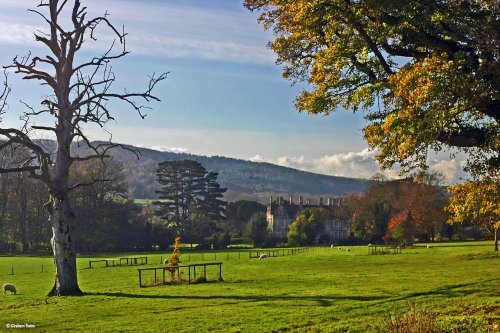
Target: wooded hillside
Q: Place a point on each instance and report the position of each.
(243, 179)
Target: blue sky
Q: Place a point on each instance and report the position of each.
(224, 94)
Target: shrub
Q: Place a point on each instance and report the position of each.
(175, 258)
(411, 319)
(176, 252)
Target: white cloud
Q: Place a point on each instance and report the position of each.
(159, 29)
(170, 149)
(360, 164)
(257, 158)
(452, 170)
(17, 33)
(292, 161)
(175, 47)
(352, 164)
(447, 168)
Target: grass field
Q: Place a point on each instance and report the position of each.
(147, 201)
(322, 290)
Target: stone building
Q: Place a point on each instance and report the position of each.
(281, 213)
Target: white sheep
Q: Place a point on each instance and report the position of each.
(166, 261)
(348, 250)
(9, 287)
(262, 256)
(331, 246)
(429, 246)
(370, 244)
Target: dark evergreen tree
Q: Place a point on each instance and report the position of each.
(189, 199)
(258, 229)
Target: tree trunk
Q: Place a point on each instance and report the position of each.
(60, 216)
(496, 239)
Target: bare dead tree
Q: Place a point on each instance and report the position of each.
(79, 94)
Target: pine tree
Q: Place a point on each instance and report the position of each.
(190, 198)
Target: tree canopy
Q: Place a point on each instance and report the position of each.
(307, 227)
(425, 72)
(479, 202)
(258, 232)
(190, 196)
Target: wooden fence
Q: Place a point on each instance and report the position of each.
(169, 274)
(125, 261)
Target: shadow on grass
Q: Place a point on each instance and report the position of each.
(449, 291)
(324, 301)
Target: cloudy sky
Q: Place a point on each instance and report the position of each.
(224, 94)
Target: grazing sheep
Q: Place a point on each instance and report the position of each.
(429, 246)
(9, 287)
(331, 246)
(166, 261)
(262, 256)
(370, 244)
(348, 250)
(339, 248)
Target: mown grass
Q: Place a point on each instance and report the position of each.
(323, 290)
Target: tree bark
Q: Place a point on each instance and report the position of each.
(60, 217)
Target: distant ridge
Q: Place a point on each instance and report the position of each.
(243, 179)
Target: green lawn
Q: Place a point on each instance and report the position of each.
(322, 290)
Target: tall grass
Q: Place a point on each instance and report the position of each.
(409, 319)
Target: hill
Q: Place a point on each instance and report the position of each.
(243, 179)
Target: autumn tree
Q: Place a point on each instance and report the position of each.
(78, 94)
(375, 208)
(479, 202)
(307, 227)
(419, 207)
(425, 72)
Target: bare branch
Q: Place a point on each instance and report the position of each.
(5, 93)
(93, 182)
(44, 128)
(95, 99)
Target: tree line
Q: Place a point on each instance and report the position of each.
(109, 220)
(417, 208)
(191, 205)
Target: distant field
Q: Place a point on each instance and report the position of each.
(142, 201)
(322, 290)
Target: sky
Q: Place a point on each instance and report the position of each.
(224, 94)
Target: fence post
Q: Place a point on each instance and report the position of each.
(12, 271)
